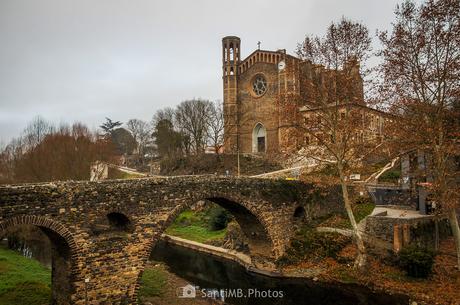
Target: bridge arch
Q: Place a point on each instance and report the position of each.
(253, 224)
(65, 253)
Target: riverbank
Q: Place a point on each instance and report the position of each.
(23, 280)
(159, 286)
(443, 286)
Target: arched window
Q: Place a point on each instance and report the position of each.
(259, 139)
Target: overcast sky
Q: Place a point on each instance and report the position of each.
(85, 60)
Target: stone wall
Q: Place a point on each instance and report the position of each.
(400, 232)
(261, 109)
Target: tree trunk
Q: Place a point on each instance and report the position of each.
(361, 258)
(456, 232)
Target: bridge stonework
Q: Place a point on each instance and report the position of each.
(102, 233)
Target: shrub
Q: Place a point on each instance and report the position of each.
(417, 261)
(390, 176)
(218, 218)
(310, 243)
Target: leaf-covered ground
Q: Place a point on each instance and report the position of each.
(442, 287)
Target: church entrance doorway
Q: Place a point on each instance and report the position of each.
(259, 139)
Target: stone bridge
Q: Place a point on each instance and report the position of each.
(102, 232)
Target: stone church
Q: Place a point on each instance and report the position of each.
(265, 96)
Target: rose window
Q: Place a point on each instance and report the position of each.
(259, 85)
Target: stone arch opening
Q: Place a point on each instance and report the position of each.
(119, 222)
(299, 213)
(64, 253)
(253, 228)
(259, 139)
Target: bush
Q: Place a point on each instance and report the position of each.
(417, 261)
(390, 176)
(310, 243)
(218, 218)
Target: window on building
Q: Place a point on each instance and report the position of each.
(259, 85)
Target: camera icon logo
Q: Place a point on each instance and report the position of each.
(188, 291)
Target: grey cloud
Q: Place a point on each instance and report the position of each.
(84, 60)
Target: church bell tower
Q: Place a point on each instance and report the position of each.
(230, 63)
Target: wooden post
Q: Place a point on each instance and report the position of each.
(436, 234)
(406, 234)
(397, 238)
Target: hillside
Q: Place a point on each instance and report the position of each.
(217, 164)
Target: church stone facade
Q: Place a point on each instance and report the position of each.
(265, 95)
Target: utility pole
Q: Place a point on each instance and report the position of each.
(86, 291)
(238, 161)
(238, 153)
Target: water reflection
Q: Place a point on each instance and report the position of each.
(207, 271)
(31, 243)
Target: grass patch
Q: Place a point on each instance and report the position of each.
(23, 280)
(346, 276)
(153, 282)
(391, 176)
(196, 226)
(190, 217)
(360, 210)
(196, 233)
(115, 173)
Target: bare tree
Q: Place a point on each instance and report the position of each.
(167, 113)
(9, 156)
(216, 126)
(36, 131)
(63, 153)
(332, 121)
(421, 82)
(141, 132)
(192, 119)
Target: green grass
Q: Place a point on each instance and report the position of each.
(196, 233)
(23, 280)
(360, 211)
(391, 176)
(195, 226)
(190, 217)
(153, 282)
(118, 174)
